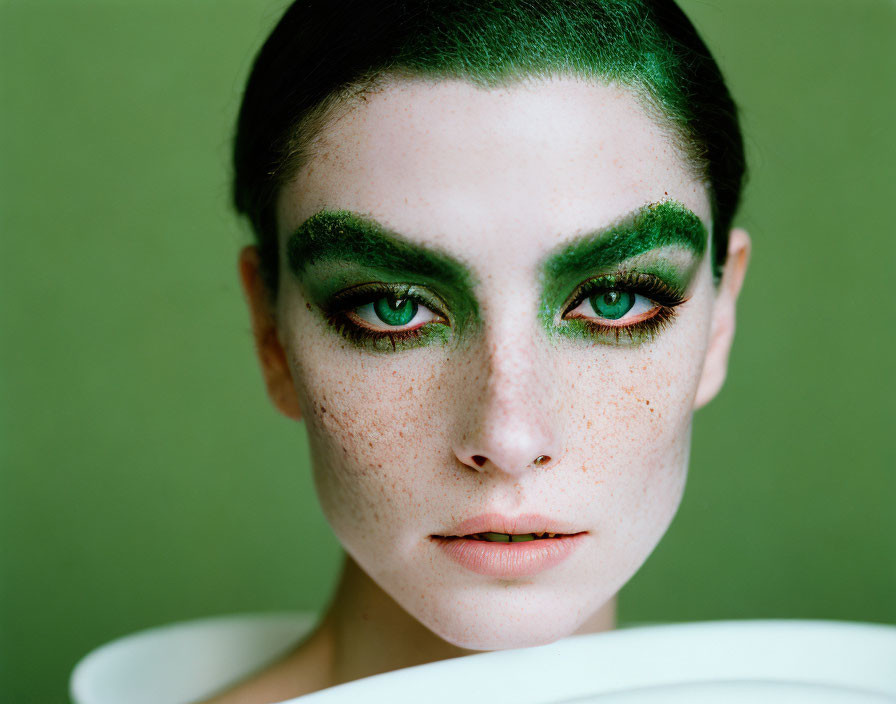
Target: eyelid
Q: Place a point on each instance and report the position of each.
(338, 312)
(623, 321)
(642, 283)
(368, 292)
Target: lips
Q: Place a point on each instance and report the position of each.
(509, 559)
(512, 525)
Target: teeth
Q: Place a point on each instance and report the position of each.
(511, 538)
(508, 537)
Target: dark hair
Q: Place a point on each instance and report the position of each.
(324, 50)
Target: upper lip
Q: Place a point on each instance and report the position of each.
(513, 525)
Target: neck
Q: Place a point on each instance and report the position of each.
(367, 633)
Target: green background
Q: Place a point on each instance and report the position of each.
(145, 476)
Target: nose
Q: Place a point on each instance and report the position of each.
(508, 424)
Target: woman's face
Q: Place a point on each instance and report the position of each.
(471, 279)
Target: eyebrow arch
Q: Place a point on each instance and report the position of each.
(654, 225)
(342, 235)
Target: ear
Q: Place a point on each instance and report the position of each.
(715, 366)
(270, 351)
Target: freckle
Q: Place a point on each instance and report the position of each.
(651, 410)
(589, 423)
(323, 410)
(370, 444)
(308, 306)
(647, 402)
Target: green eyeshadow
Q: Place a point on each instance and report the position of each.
(343, 260)
(335, 250)
(635, 246)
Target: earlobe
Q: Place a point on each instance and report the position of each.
(715, 366)
(271, 355)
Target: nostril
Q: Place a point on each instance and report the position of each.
(479, 460)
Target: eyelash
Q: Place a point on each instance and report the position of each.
(346, 301)
(665, 296)
(651, 287)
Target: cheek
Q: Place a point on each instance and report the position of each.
(374, 431)
(631, 428)
(632, 412)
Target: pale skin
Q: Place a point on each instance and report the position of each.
(495, 178)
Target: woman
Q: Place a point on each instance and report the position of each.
(494, 275)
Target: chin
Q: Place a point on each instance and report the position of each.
(504, 637)
(501, 616)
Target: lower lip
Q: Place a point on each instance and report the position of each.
(510, 560)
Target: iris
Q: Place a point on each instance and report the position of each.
(395, 312)
(613, 304)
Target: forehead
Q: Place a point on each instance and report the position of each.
(505, 172)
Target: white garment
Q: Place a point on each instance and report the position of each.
(790, 661)
(186, 662)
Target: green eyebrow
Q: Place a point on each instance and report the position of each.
(650, 227)
(342, 235)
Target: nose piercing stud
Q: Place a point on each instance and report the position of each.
(542, 459)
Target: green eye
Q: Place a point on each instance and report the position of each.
(612, 304)
(388, 317)
(395, 312)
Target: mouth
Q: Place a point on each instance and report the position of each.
(507, 537)
(509, 555)
(496, 527)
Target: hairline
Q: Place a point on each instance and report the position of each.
(305, 133)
